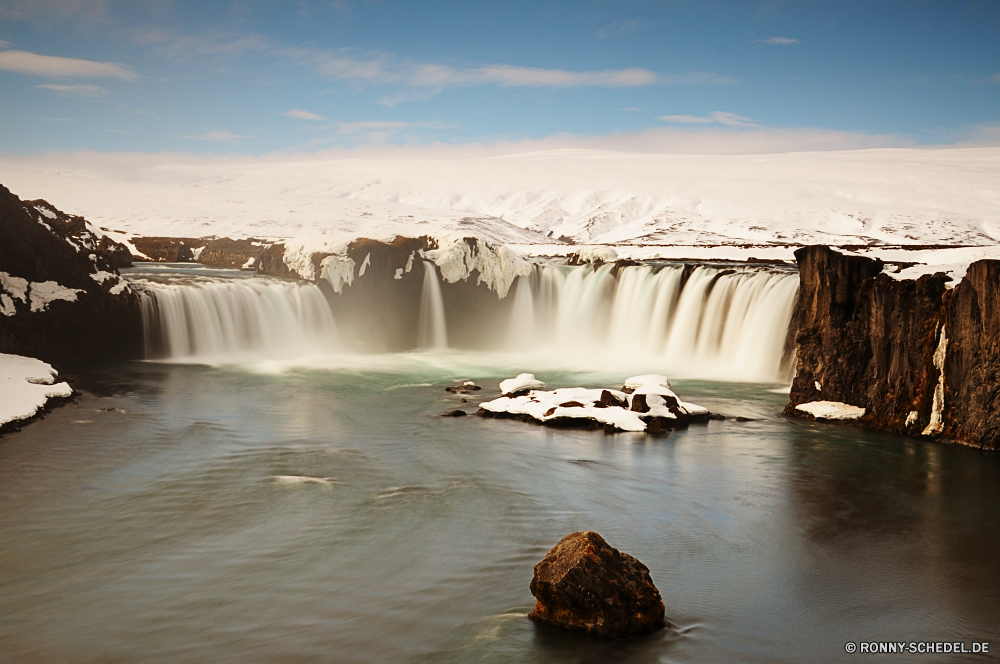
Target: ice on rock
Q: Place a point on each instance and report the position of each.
(44, 292)
(457, 256)
(525, 381)
(831, 410)
(338, 270)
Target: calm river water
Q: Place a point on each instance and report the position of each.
(194, 514)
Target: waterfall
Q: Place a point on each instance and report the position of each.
(682, 320)
(704, 322)
(217, 318)
(432, 331)
(521, 329)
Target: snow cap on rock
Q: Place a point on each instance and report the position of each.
(525, 381)
(648, 380)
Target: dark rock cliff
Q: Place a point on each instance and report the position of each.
(872, 341)
(61, 296)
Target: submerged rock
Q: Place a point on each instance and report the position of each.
(585, 584)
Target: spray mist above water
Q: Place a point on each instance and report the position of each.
(697, 322)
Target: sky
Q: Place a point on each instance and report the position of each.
(256, 78)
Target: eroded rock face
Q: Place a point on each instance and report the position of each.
(61, 296)
(868, 340)
(585, 584)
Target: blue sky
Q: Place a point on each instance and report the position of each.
(247, 76)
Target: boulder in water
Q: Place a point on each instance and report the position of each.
(585, 584)
(458, 412)
(522, 384)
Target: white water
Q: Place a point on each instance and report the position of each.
(717, 324)
(433, 333)
(223, 318)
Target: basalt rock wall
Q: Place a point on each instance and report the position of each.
(921, 358)
(61, 296)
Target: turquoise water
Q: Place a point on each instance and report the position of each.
(271, 514)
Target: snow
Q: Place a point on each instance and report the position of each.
(831, 410)
(648, 380)
(596, 254)
(338, 270)
(25, 385)
(120, 288)
(585, 403)
(47, 212)
(246, 266)
(525, 381)
(16, 286)
(885, 196)
(496, 264)
(44, 292)
(936, 425)
(102, 276)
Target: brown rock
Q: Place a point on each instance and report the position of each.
(584, 584)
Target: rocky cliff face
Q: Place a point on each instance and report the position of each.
(920, 358)
(61, 296)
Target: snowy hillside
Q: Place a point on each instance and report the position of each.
(885, 196)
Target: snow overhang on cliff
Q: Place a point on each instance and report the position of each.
(457, 255)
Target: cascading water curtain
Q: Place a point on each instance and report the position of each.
(702, 322)
(244, 317)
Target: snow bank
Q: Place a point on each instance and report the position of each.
(884, 196)
(831, 410)
(25, 385)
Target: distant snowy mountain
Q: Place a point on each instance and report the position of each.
(885, 196)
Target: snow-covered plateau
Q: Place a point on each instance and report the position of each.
(707, 207)
(26, 384)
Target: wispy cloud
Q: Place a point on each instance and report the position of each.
(715, 117)
(300, 114)
(23, 62)
(4, 44)
(995, 78)
(219, 137)
(620, 29)
(92, 91)
(380, 68)
(781, 41)
(211, 44)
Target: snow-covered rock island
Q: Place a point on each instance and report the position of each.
(644, 404)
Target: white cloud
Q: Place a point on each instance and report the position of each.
(619, 29)
(781, 41)
(384, 69)
(372, 125)
(23, 62)
(75, 90)
(219, 137)
(715, 117)
(212, 44)
(299, 114)
(556, 78)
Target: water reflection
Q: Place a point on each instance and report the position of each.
(234, 516)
